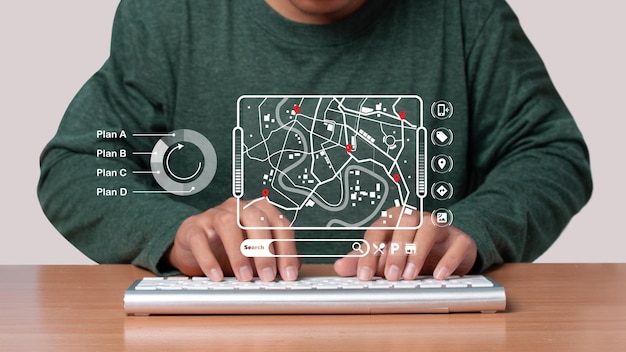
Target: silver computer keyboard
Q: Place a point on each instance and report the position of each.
(313, 295)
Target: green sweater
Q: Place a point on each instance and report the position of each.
(521, 167)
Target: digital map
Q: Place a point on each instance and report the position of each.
(329, 162)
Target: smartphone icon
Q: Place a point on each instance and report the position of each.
(441, 110)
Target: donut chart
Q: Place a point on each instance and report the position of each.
(167, 148)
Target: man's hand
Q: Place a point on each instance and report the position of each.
(441, 251)
(209, 243)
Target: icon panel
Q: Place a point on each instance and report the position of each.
(442, 190)
(441, 163)
(442, 110)
(442, 217)
(442, 137)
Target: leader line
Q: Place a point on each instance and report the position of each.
(154, 134)
(146, 172)
(152, 192)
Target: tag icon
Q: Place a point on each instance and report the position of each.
(442, 137)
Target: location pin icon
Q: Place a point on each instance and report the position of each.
(442, 163)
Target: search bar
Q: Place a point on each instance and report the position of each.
(263, 248)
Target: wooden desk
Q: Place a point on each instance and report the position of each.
(552, 307)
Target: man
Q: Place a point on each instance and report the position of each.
(520, 171)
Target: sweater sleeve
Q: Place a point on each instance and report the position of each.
(531, 163)
(122, 96)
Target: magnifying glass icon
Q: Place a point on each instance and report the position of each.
(356, 246)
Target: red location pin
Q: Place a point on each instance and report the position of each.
(402, 115)
(349, 148)
(296, 109)
(265, 192)
(396, 178)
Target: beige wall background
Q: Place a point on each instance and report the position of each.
(50, 48)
